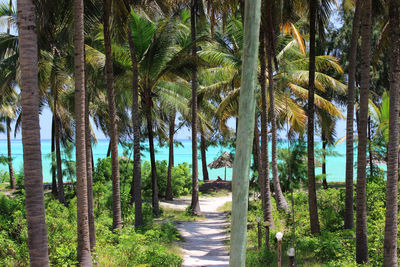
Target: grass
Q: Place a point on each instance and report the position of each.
(219, 193)
(179, 215)
(227, 207)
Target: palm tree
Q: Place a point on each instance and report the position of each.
(35, 214)
(269, 33)
(361, 217)
(194, 206)
(84, 255)
(312, 195)
(168, 192)
(390, 240)
(348, 215)
(247, 103)
(113, 126)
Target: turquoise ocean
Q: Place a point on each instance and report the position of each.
(335, 165)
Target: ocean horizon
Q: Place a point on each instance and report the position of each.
(335, 165)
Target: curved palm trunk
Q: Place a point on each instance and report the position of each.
(60, 182)
(312, 195)
(203, 148)
(113, 125)
(84, 255)
(348, 215)
(361, 218)
(54, 190)
(280, 198)
(89, 174)
(35, 214)
(241, 166)
(10, 166)
(195, 205)
(168, 193)
(154, 185)
(136, 188)
(264, 161)
(390, 241)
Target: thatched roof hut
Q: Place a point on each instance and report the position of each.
(223, 161)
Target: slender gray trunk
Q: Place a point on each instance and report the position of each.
(10, 165)
(168, 193)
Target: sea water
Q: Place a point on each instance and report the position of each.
(335, 165)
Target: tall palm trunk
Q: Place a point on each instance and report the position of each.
(361, 218)
(312, 195)
(264, 162)
(60, 182)
(113, 125)
(369, 142)
(154, 185)
(54, 190)
(203, 148)
(168, 193)
(390, 241)
(89, 173)
(195, 205)
(10, 166)
(241, 166)
(84, 255)
(280, 198)
(35, 216)
(348, 215)
(136, 188)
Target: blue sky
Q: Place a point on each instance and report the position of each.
(184, 133)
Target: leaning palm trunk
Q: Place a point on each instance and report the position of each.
(136, 188)
(10, 165)
(194, 205)
(312, 195)
(168, 193)
(241, 167)
(203, 148)
(53, 160)
(84, 255)
(361, 217)
(390, 241)
(60, 182)
(263, 162)
(35, 216)
(348, 215)
(281, 202)
(113, 124)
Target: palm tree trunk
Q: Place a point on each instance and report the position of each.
(10, 166)
(361, 218)
(136, 188)
(324, 142)
(390, 240)
(35, 214)
(84, 255)
(371, 159)
(203, 148)
(89, 174)
(195, 205)
(60, 182)
(264, 162)
(168, 193)
(312, 195)
(54, 190)
(154, 184)
(348, 215)
(113, 125)
(241, 166)
(109, 150)
(280, 198)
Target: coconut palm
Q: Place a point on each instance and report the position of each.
(84, 255)
(361, 216)
(390, 240)
(241, 166)
(35, 214)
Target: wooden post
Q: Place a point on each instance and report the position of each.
(225, 174)
(279, 236)
(291, 254)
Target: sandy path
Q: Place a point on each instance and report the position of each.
(204, 240)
